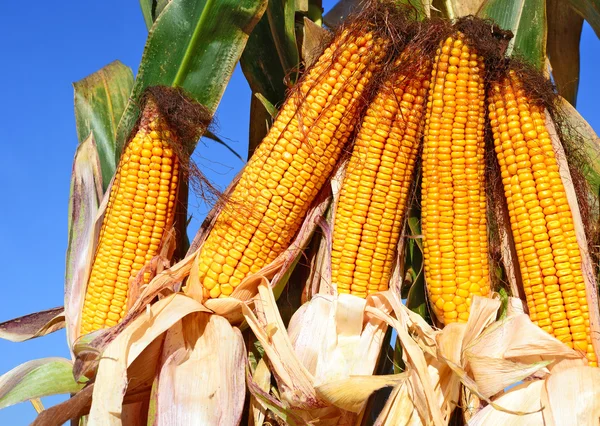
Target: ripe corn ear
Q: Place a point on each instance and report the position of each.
(140, 208)
(289, 167)
(375, 189)
(453, 185)
(540, 216)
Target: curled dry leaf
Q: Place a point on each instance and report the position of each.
(33, 325)
(111, 380)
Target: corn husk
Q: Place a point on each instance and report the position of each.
(201, 377)
(111, 380)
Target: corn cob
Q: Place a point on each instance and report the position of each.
(453, 186)
(375, 188)
(540, 216)
(140, 208)
(289, 167)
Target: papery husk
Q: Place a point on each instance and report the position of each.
(86, 209)
(201, 379)
(524, 397)
(572, 396)
(351, 393)
(33, 325)
(262, 379)
(111, 380)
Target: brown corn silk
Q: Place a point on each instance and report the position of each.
(453, 186)
(140, 208)
(266, 208)
(541, 219)
(376, 185)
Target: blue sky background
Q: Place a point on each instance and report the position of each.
(47, 46)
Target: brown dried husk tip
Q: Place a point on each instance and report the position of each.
(187, 120)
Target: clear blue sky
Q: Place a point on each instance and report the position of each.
(47, 46)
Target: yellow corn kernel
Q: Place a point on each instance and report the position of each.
(130, 232)
(384, 154)
(453, 186)
(553, 265)
(292, 162)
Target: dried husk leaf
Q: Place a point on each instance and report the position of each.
(351, 393)
(33, 325)
(493, 375)
(202, 374)
(518, 339)
(111, 380)
(312, 42)
(524, 397)
(572, 397)
(414, 357)
(86, 208)
(405, 406)
(295, 382)
(262, 379)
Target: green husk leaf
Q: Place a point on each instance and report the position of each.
(33, 325)
(194, 45)
(527, 20)
(564, 34)
(100, 100)
(37, 378)
(84, 204)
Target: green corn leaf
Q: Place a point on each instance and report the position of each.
(194, 45)
(282, 15)
(146, 6)
(151, 9)
(260, 63)
(100, 100)
(36, 379)
(527, 20)
(266, 77)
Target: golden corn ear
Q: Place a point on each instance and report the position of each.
(453, 186)
(140, 208)
(540, 216)
(289, 167)
(375, 189)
